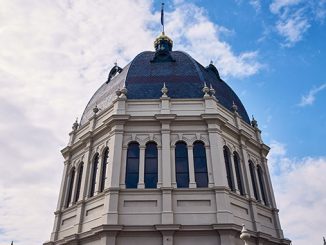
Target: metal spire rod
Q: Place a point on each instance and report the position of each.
(162, 17)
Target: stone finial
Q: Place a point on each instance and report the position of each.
(244, 236)
(212, 91)
(75, 125)
(255, 124)
(324, 240)
(124, 92)
(96, 109)
(206, 91)
(234, 107)
(164, 90)
(118, 92)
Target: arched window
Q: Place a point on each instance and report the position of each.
(70, 186)
(132, 165)
(79, 180)
(104, 167)
(253, 179)
(262, 183)
(150, 174)
(200, 164)
(94, 173)
(228, 167)
(237, 167)
(181, 165)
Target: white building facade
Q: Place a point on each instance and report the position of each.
(165, 154)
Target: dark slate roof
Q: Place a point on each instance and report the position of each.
(184, 77)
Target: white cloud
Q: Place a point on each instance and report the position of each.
(293, 28)
(194, 33)
(310, 98)
(256, 4)
(299, 186)
(295, 17)
(53, 56)
(277, 5)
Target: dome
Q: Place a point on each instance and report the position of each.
(145, 74)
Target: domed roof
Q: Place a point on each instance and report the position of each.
(145, 74)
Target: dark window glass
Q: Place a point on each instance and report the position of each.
(104, 167)
(182, 180)
(80, 176)
(151, 162)
(237, 167)
(228, 167)
(70, 186)
(132, 165)
(94, 172)
(181, 165)
(253, 179)
(261, 183)
(200, 164)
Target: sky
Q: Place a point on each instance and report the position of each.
(55, 54)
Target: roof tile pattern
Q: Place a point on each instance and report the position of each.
(144, 79)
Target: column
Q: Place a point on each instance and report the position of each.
(98, 171)
(223, 212)
(268, 187)
(110, 209)
(192, 181)
(167, 212)
(209, 166)
(246, 172)
(166, 154)
(234, 175)
(62, 194)
(173, 173)
(141, 184)
(216, 144)
(159, 167)
(123, 168)
(63, 187)
(108, 238)
(260, 199)
(115, 154)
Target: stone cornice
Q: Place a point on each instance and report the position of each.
(165, 117)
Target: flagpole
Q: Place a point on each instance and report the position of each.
(162, 17)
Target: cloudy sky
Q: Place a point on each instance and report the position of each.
(55, 53)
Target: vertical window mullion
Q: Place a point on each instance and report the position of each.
(228, 167)
(80, 175)
(70, 186)
(238, 172)
(104, 167)
(94, 173)
(253, 180)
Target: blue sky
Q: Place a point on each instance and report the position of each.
(55, 53)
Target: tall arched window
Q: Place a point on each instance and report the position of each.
(253, 179)
(228, 167)
(70, 186)
(237, 167)
(200, 164)
(262, 183)
(79, 180)
(104, 167)
(132, 165)
(150, 174)
(181, 165)
(94, 173)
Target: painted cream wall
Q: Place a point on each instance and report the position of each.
(166, 215)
